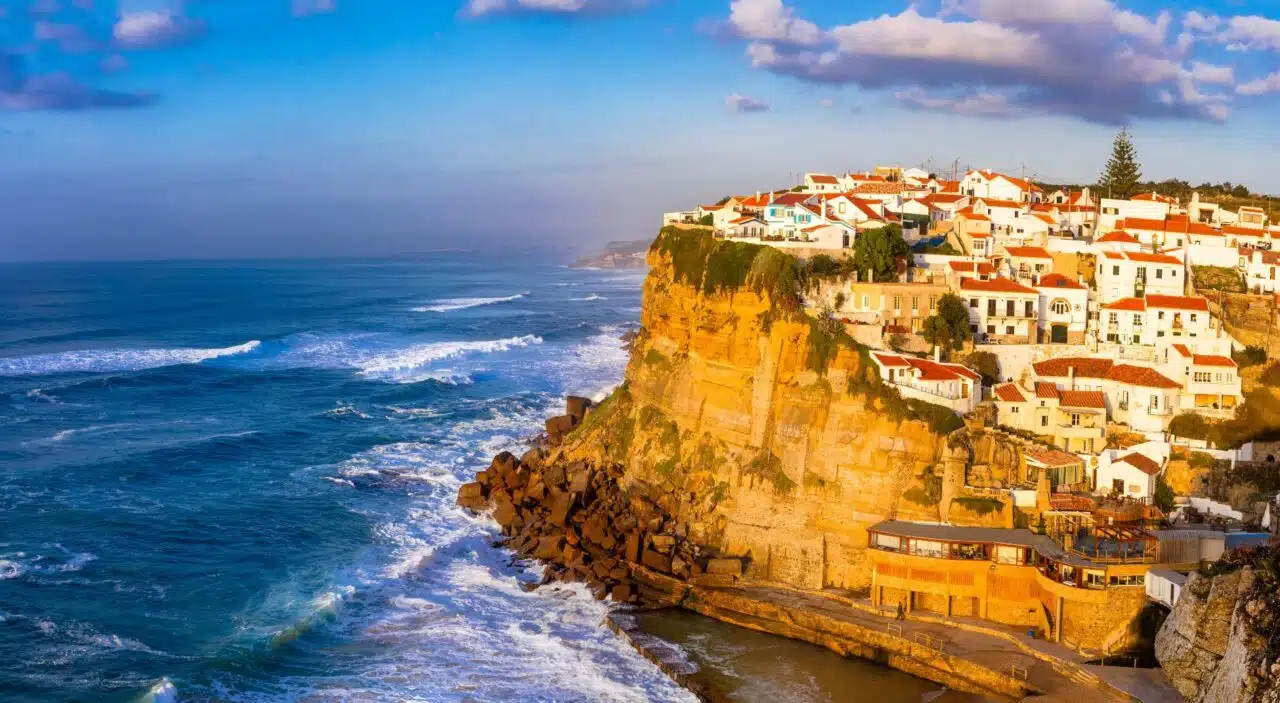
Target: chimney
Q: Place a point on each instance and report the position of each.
(937, 353)
(1071, 377)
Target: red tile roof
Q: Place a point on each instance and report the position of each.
(1044, 389)
(1006, 204)
(879, 188)
(1154, 197)
(980, 267)
(1243, 231)
(1181, 349)
(1082, 399)
(1029, 252)
(1177, 302)
(1057, 280)
(1009, 392)
(1152, 258)
(1129, 304)
(1054, 457)
(823, 178)
(891, 360)
(929, 370)
(1212, 360)
(1119, 236)
(945, 198)
(1142, 463)
(1084, 367)
(742, 220)
(1140, 376)
(996, 285)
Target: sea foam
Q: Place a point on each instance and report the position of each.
(401, 365)
(108, 360)
(451, 304)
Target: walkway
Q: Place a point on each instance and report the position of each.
(1060, 681)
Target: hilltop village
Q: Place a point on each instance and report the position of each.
(984, 431)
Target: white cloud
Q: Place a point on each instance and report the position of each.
(153, 28)
(1196, 22)
(770, 19)
(912, 36)
(826, 103)
(480, 8)
(1210, 73)
(1261, 86)
(743, 104)
(981, 104)
(1251, 33)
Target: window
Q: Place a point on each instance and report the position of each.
(1160, 315)
(1095, 579)
(933, 303)
(915, 303)
(991, 329)
(1202, 377)
(1111, 211)
(1113, 337)
(1044, 420)
(1159, 274)
(1030, 308)
(897, 302)
(1060, 307)
(1193, 317)
(1008, 555)
(1127, 580)
(1075, 419)
(1114, 318)
(1008, 308)
(926, 548)
(973, 303)
(1008, 330)
(991, 307)
(1137, 320)
(1115, 270)
(866, 302)
(892, 543)
(1155, 402)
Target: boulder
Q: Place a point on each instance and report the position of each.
(724, 567)
(576, 407)
(549, 547)
(557, 427)
(471, 495)
(561, 505)
(623, 593)
(505, 462)
(663, 543)
(632, 551)
(505, 513)
(655, 561)
(579, 478)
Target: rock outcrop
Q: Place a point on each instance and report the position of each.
(1214, 645)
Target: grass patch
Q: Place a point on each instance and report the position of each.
(1218, 278)
(653, 357)
(929, 492)
(941, 420)
(1251, 355)
(715, 266)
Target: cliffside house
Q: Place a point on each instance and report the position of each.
(1001, 310)
(1132, 473)
(1138, 396)
(1211, 383)
(1075, 420)
(949, 385)
(748, 227)
(898, 306)
(1086, 593)
(1112, 211)
(989, 184)
(1130, 274)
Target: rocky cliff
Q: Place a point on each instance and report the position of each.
(1217, 646)
(763, 435)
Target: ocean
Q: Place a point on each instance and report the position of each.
(236, 481)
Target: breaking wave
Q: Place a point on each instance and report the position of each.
(451, 304)
(406, 365)
(589, 298)
(107, 360)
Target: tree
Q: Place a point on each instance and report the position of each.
(1164, 495)
(707, 220)
(987, 364)
(878, 251)
(949, 326)
(1122, 175)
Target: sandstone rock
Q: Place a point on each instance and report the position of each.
(632, 551)
(623, 593)
(655, 561)
(549, 547)
(504, 463)
(560, 507)
(576, 407)
(579, 479)
(532, 458)
(730, 567)
(557, 427)
(505, 513)
(471, 495)
(663, 543)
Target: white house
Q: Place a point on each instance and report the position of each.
(746, 227)
(1138, 396)
(1155, 319)
(1001, 310)
(949, 385)
(1029, 263)
(1260, 269)
(1134, 274)
(1210, 382)
(1063, 309)
(989, 184)
(1132, 472)
(821, 183)
(1113, 210)
(1116, 241)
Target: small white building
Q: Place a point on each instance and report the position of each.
(1029, 263)
(989, 184)
(821, 183)
(1001, 310)
(1260, 266)
(1155, 319)
(1113, 210)
(1164, 586)
(1210, 382)
(1116, 241)
(1132, 472)
(949, 385)
(1063, 308)
(1127, 274)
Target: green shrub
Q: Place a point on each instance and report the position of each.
(980, 506)
(1251, 355)
(1164, 495)
(1221, 278)
(826, 336)
(942, 420)
(823, 266)
(769, 467)
(1190, 425)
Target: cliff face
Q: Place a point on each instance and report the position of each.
(1208, 646)
(724, 422)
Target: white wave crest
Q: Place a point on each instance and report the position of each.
(162, 692)
(589, 298)
(107, 360)
(10, 569)
(451, 304)
(405, 365)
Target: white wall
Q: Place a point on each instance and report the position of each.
(1206, 255)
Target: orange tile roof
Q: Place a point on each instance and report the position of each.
(1006, 204)
(1084, 367)
(1128, 304)
(1140, 376)
(1009, 392)
(1044, 389)
(1082, 399)
(1177, 302)
(996, 285)
(1152, 258)
(1054, 457)
(944, 198)
(980, 267)
(1142, 463)
(1154, 197)
(1120, 236)
(1212, 360)
(1046, 219)
(823, 178)
(1243, 231)
(891, 360)
(1029, 252)
(791, 198)
(879, 188)
(1181, 349)
(1057, 280)
(741, 220)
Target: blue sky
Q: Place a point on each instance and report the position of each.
(229, 128)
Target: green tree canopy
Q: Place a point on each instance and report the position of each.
(949, 326)
(878, 251)
(1122, 175)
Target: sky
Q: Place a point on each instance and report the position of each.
(153, 129)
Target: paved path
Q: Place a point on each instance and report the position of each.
(1147, 685)
(1059, 681)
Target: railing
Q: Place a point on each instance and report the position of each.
(1018, 672)
(908, 383)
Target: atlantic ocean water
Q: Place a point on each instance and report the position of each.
(236, 481)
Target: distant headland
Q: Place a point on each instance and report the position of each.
(616, 255)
